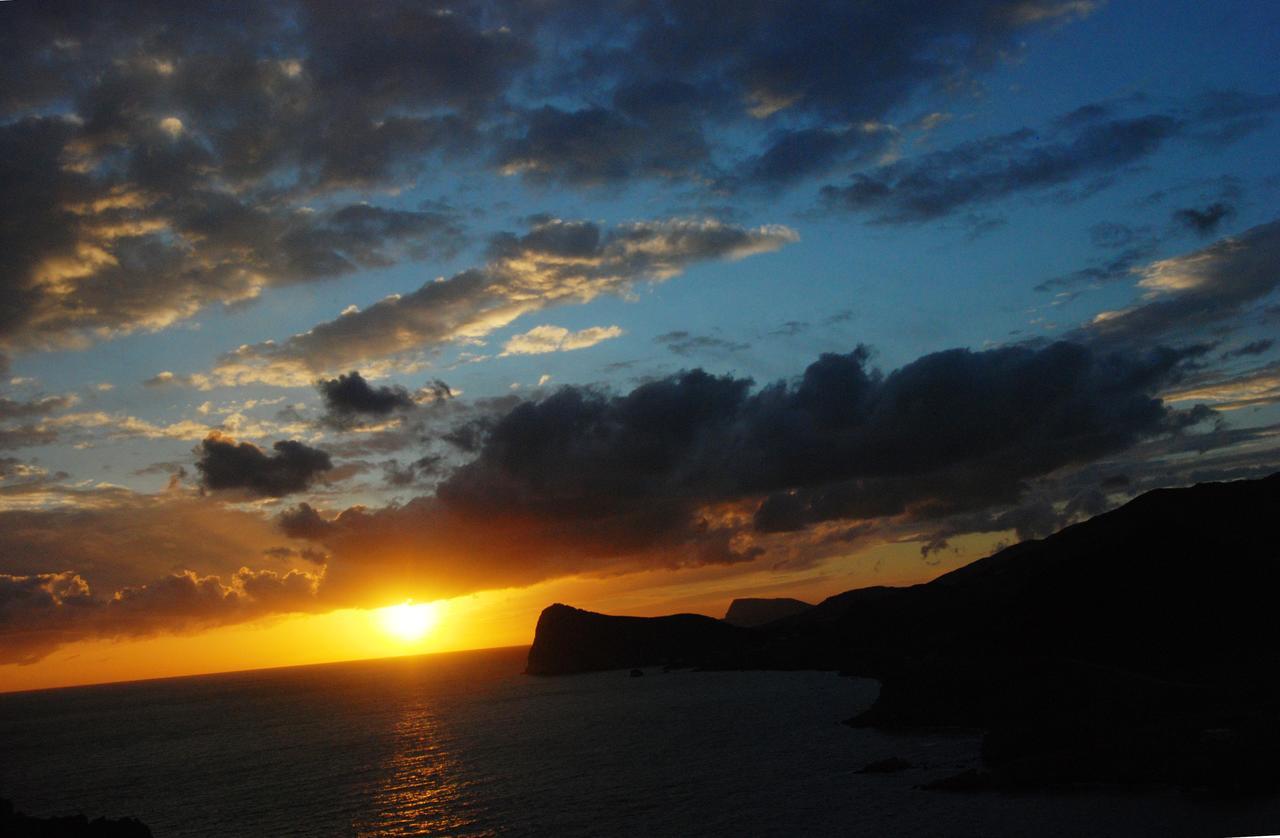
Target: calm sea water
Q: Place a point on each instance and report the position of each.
(464, 744)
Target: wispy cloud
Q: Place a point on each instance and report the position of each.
(1188, 293)
(556, 263)
(541, 340)
(1078, 153)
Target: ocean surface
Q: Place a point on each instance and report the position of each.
(464, 744)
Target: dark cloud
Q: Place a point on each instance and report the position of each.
(29, 608)
(1089, 114)
(166, 468)
(1206, 221)
(419, 434)
(795, 154)
(791, 328)
(596, 146)
(1220, 453)
(1227, 189)
(23, 436)
(414, 473)
(1087, 147)
(10, 466)
(1189, 293)
(942, 182)
(195, 140)
(434, 392)
(168, 158)
(683, 343)
(1253, 347)
(303, 521)
(344, 96)
(148, 248)
(1116, 482)
(308, 553)
(1224, 116)
(360, 236)
(349, 399)
(1112, 235)
(1231, 390)
(40, 612)
(697, 469)
(958, 430)
(468, 437)
(1118, 267)
(1220, 105)
(398, 475)
(1033, 517)
(18, 430)
(13, 409)
(675, 74)
(224, 464)
(19, 477)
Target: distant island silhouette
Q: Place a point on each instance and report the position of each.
(1140, 646)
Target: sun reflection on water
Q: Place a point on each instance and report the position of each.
(422, 792)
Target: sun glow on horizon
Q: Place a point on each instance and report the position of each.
(409, 622)
(484, 620)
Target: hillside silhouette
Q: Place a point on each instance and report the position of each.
(14, 824)
(1139, 646)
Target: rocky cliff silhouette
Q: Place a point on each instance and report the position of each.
(751, 611)
(569, 640)
(1139, 646)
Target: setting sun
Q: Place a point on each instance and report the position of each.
(409, 622)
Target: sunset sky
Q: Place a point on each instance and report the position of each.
(311, 309)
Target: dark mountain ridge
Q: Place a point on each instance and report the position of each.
(1138, 646)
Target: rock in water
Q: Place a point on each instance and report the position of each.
(886, 766)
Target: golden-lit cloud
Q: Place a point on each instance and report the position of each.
(541, 340)
(114, 537)
(556, 263)
(1194, 291)
(1251, 388)
(41, 612)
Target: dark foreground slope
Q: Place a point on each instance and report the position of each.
(17, 825)
(1139, 646)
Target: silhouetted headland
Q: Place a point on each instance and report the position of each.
(752, 611)
(1140, 646)
(17, 825)
(571, 640)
